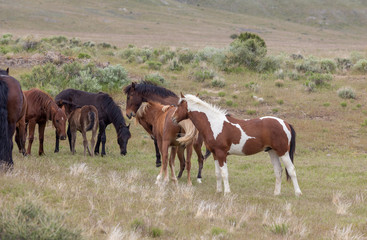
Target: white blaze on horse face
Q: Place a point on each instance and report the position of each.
(287, 132)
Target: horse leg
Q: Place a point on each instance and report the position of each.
(85, 143)
(11, 131)
(17, 139)
(181, 158)
(57, 142)
(188, 163)
(222, 171)
(165, 146)
(22, 135)
(32, 126)
(41, 133)
(218, 174)
(69, 137)
(158, 162)
(93, 141)
(277, 171)
(73, 140)
(159, 177)
(197, 147)
(103, 141)
(292, 172)
(172, 164)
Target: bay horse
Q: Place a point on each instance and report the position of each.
(137, 93)
(82, 119)
(108, 112)
(12, 110)
(225, 135)
(165, 132)
(41, 108)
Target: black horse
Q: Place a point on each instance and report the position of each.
(108, 112)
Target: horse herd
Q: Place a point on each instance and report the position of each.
(175, 123)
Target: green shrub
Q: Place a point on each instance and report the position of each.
(355, 57)
(203, 74)
(104, 45)
(229, 103)
(327, 66)
(138, 225)
(154, 78)
(361, 66)
(84, 56)
(156, 232)
(113, 77)
(154, 65)
(185, 56)
(343, 63)
(347, 93)
(251, 112)
(320, 79)
(221, 94)
(279, 83)
(310, 86)
(281, 229)
(343, 104)
(175, 65)
(30, 221)
(247, 36)
(268, 64)
(308, 65)
(218, 231)
(218, 82)
(294, 76)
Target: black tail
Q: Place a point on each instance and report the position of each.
(292, 148)
(5, 147)
(92, 119)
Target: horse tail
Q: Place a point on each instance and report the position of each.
(92, 119)
(5, 147)
(190, 132)
(292, 148)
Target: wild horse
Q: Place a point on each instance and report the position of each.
(82, 119)
(165, 132)
(225, 135)
(137, 93)
(12, 114)
(108, 112)
(41, 108)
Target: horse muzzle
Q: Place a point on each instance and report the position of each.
(130, 115)
(123, 153)
(62, 137)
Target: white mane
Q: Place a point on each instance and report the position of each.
(196, 104)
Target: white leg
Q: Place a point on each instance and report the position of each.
(218, 175)
(224, 171)
(277, 171)
(159, 177)
(292, 172)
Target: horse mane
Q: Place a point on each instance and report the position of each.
(114, 111)
(145, 105)
(148, 88)
(194, 103)
(42, 99)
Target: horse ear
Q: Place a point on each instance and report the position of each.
(133, 85)
(182, 96)
(7, 71)
(197, 95)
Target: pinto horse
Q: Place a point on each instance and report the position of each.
(12, 111)
(82, 119)
(108, 112)
(225, 135)
(137, 93)
(41, 108)
(165, 132)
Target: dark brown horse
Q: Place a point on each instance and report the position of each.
(108, 112)
(137, 93)
(41, 108)
(165, 132)
(225, 135)
(82, 119)
(12, 109)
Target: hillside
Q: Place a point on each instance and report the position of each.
(195, 23)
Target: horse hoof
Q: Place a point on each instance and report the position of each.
(199, 180)
(56, 151)
(158, 164)
(298, 193)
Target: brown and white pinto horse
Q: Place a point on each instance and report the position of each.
(165, 132)
(41, 108)
(225, 135)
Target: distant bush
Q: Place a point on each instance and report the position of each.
(185, 56)
(202, 74)
(175, 65)
(155, 78)
(361, 66)
(234, 36)
(347, 93)
(355, 57)
(320, 79)
(308, 65)
(327, 66)
(218, 82)
(154, 65)
(84, 56)
(294, 75)
(247, 36)
(279, 83)
(343, 63)
(30, 221)
(104, 45)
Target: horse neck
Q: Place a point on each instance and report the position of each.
(151, 113)
(116, 118)
(202, 125)
(165, 101)
(52, 109)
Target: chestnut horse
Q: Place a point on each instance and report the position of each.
(165, 132)
(11, 111)
(108, 112)
(225, 135)
(20, 134)
(82, 119)
(137, 93)
(41, 108)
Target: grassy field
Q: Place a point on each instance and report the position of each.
(65, 196)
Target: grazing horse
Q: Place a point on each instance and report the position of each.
(41, 108)
(165, 132)
(108, 112)
(12, 106)
(82, 119)
(137, 93)
(20, 133)
(225, 135)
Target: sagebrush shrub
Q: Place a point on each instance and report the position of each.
(327, 66)
(155, 78)
(320, 79)
(361, 66)
(347, 93)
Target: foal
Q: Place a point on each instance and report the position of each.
(165, 132)
(82, 119)
(225, 135)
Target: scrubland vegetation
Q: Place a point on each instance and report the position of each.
(61, 196)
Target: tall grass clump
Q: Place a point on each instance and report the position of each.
(30, 221)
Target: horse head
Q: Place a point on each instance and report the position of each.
(4, 72)
(181, 111)
(133, 100)
(123, 136)
(59, 122)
